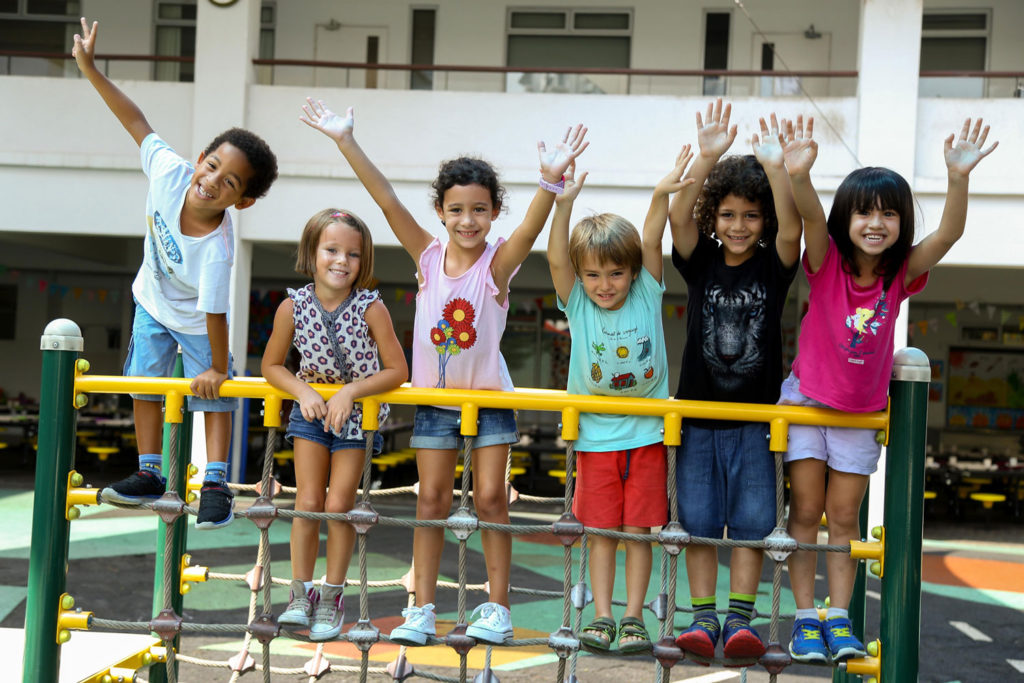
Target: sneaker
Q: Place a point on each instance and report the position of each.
(139, 488)
(841, 641)
(216, 503)
(328, 614)
(807, 644)
(740, 640)
(494, 625)
(701, 637)
(300, 606)
(418, 626)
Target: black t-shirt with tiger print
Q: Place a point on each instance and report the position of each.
(733, 346)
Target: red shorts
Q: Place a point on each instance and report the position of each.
(622, 488)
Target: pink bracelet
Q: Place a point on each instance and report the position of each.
(557, 188)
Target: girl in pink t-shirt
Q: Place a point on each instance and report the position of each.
(861, 265)
(460, 316)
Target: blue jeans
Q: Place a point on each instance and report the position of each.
(438, 428)
(301, 428)
(725, 478)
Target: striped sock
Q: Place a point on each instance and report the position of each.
(704, 608)
(741, 606)
(151, 462)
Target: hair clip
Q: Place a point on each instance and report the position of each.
(340, 214)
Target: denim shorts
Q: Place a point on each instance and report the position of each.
(843, 449)
(301, 428)
(153, 349)
(438, 428)
(725, 478)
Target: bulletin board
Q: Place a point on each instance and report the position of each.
(985, 389)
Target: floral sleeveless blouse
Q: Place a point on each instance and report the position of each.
(318, 364)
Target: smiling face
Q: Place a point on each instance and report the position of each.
(874, 230)
(220, 180)
(467, 212)
(338, 258)
(739, 224)
(606, 284)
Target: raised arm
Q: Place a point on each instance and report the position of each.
(126, 111)
(553, 165)
(768, 149)
(961, 158)
(801, 150)
(714, 137)
(654, 224)
(410, 234)
(562, 274)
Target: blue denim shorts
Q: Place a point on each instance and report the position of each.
(725, 478)
(153, 349)
(438, 428)
(301, 428)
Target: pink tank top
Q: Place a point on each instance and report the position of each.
(459, 325)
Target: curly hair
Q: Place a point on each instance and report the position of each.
(739, 175)
(467, 171)
(257, 151)
(863, 190)
(610, 239)
(305, 261)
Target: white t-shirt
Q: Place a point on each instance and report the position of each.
(182, 278)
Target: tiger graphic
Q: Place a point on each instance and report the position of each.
(733, 329)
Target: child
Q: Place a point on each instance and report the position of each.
(460, 316)
(861, 266)
(181, 290)
(737, 252)
(344, 334)
(609, 285)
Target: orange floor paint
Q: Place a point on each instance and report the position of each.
(971, 572)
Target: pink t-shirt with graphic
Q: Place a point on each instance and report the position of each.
(846, 339)
(458, 326)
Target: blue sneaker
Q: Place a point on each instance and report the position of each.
(841, 641)
(740, 640)
(701, 637)
(807, 644)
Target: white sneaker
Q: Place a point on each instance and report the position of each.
(300, 606)
(418, 626)
(494, 625)
(328, 614)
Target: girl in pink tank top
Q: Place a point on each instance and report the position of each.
(460, 316)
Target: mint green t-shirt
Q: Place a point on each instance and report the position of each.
(618, 353)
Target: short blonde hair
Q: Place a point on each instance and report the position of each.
(305, 261)
(610, 238)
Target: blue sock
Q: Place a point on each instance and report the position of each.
(216, 473)
(151, 462)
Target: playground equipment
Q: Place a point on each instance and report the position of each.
(895, 555)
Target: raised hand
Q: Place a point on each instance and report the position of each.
(964, 155)
(573, 185)
(316, 115)
(714, 135)
(84, 48)
(673, 182)
(768, 148)
(553, 163)
(799, 147)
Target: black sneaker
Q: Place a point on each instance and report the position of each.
(141, 487)
(216, 503)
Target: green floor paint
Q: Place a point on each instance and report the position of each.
(982, 596)
(10, 598)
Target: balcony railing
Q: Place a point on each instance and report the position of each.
(613, 81)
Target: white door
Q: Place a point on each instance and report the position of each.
(350, 44)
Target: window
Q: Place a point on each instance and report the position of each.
(716, 50)
(954, 41)
(423, 31)
(38, 26)
(568, 38)
(8, 310)
(176, 37)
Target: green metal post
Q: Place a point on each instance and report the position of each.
(181, 449)
(48, 561)
(900, 630)
(858, 601)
